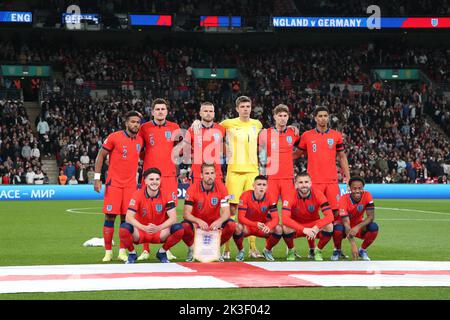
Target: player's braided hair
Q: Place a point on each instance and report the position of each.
(353, 179)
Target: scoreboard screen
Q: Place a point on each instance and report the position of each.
(16, 17)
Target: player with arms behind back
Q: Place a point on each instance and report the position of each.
(321, 146)
(351, 220)
(160, 136)
(123, 148)
(207, 144)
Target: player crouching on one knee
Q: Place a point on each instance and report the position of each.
(300, 216)
(351, 222)
(258, 216)
(206, 207)
(151, 218)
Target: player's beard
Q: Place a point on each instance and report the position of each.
(304, 191)
(133, 130)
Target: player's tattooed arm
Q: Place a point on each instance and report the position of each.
(370, 217)
(343, 161)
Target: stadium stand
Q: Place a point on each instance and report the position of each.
(20, 147)
(389, 139)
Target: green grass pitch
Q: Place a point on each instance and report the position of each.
(46, 233)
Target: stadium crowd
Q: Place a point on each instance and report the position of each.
(20, 149)
(388, 138)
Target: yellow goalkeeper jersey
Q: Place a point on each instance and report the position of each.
(242, 142)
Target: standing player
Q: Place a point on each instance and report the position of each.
(243, 164)
(300, 216)
(160, 136)
(278, 143)
(351, 220)
(123, 147)
(206, 207)
(258, 216)
(321, 145)
(151, 218)
(206, 144)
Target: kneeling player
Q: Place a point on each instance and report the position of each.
(151, 218)
(300, 216)
(351, 220)
(258, 216)
(206, 207)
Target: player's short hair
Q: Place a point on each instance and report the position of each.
(261, 177)
(302, 174)
(319, 109)
(207, 165)
(353, 179)
(242, 99)
(159, 101)
(206, 103)
(150, 171)
(132, 113)
(281, 108)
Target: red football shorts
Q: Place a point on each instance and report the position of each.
(116, 200)
(145, 237)
(331, 191)
(254, 231)
(278, 187)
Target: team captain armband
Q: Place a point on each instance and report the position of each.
(370, 205)
(340, 147)
(224, 202)
(170, 205)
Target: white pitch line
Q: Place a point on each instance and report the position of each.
(444, 220)
(75, 210)
(413, 210)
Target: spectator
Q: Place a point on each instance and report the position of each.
(30, 176)
(81, 175)
(70, 170)
(84, 159)
(62, 178)
(72, 181)
(39, 177)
